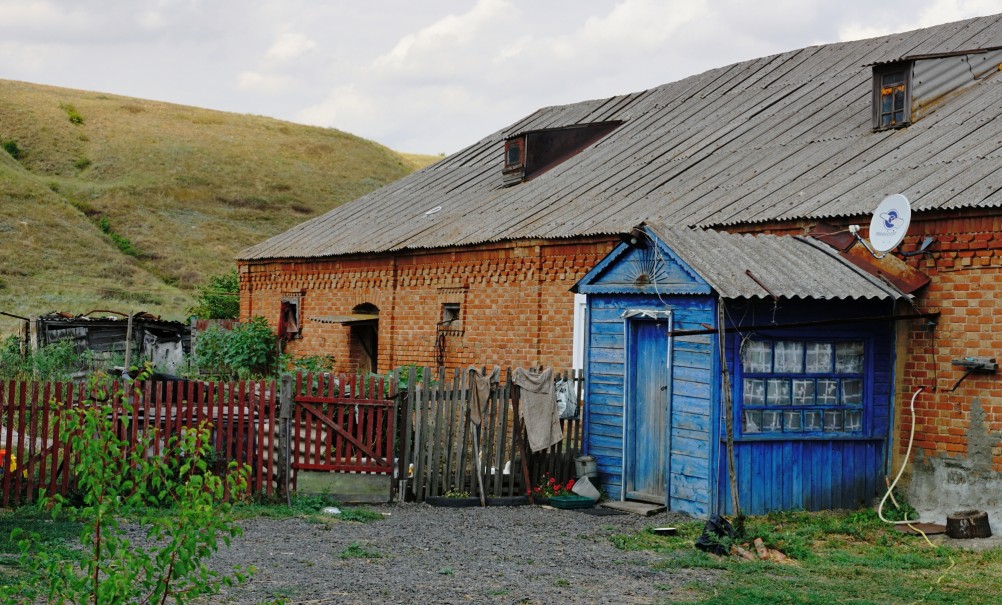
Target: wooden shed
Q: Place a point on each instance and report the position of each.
(808, 354)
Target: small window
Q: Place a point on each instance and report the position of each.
(450, 314)
(891, 97)
(514, 155)
(802, 386)
(288, 319)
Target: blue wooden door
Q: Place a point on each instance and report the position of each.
(648, 393)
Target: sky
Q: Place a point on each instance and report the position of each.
(422, 76)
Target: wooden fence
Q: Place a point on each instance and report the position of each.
(437, 440)
(242, 416)
(431, 443)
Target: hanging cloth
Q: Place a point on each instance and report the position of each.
(539, 408)
(480, 391)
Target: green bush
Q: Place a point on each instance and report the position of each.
(116, 482)
(249, 350)
(56, 361)
(220, 298)
(72, 114)
(12, 148)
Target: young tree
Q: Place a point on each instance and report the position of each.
(174, 497)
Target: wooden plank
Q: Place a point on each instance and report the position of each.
(19, 445)
(407, 441)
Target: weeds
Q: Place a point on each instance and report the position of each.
(357, 551)
(72, 114)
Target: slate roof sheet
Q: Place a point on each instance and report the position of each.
(762, 266)
(781, 137)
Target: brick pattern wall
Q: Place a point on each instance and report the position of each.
(966, 270)
(516, 307)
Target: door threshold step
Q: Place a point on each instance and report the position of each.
(644, 509)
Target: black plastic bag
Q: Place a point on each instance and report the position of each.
(715, 531)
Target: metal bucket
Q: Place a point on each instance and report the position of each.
(586, 467)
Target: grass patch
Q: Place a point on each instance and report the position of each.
(58, 536)
(305, 507)
(837, 558)
(357, 551)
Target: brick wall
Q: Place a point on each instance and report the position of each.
(966, 270)
(515, 303)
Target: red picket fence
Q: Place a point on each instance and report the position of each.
(342, 423)
(242, 416)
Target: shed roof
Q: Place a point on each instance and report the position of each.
(777, 138)
(763, 266)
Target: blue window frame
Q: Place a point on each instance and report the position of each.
(802, 387)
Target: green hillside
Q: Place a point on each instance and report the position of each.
(109, 202)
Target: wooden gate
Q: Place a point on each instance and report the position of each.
(342, 423)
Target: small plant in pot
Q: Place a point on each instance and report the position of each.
(549, 487)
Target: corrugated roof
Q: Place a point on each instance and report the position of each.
(781, 137)
(763, 266)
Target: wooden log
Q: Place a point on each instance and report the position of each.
(968, 524)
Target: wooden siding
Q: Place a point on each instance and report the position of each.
(809, 472)
(692, 416)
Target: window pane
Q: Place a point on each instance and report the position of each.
(852, 391)
(899, 99)
(752, 421)
(853, 420)
(897, 77)
(885, 104)
(812, 420)
(803, 392)
(833, 420)
(779, 392)
(756, 357)
(819, 357)
(793, 421)
(789, 357)
(754, 391)
(772, 421)
(827, 391)
(849, 357)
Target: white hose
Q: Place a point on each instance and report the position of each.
(904, 463)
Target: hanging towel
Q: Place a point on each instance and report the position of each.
(480, 391)
(539, 408)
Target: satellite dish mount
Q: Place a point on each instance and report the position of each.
(888, 225)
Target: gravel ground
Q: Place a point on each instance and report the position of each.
(422, 554)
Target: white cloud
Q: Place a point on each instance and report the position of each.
(290, 45)
(264, 83)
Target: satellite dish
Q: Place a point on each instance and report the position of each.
(889, 223)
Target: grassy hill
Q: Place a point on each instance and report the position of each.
(109, 202)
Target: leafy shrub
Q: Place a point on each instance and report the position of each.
(56, 361)
(249, 350)
(116, 481)
(220, 298)
(72, 114)
(122, 243)
(12, 148)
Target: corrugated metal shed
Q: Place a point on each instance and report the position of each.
(782, 137)
(763, 266)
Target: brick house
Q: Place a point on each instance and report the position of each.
(471, 260)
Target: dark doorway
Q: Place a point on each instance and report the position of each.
(363, 344)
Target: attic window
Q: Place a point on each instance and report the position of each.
(892, 96)
(530, 154)
(514, 152)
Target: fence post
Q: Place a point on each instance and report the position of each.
(284, 436)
